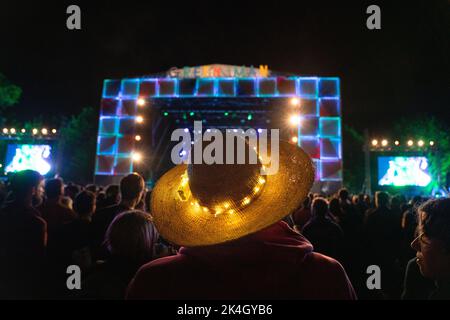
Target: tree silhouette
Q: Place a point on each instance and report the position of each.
(77, 147)
(9, 93)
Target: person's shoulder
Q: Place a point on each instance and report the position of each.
(329, 277)
(371, 213)
(152, 277)
(323, 262)
(334, 226)
(324, 267)
(164, 266)
(36, 220)
(103, 212)
(64, 208)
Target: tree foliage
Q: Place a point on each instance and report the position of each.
(429, 128)
(9, 93)
(77, 146)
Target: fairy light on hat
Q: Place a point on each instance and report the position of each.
(229, 206)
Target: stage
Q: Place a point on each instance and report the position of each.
(138, 115)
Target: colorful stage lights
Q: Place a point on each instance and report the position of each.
(141, 102)
(139, 119)
(313, 101)
(136, 157)
(294, 119)
(295, 102)
(409, 143)
(23, 131)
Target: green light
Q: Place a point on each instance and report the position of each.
(226, 114)
(184, 116)
(166, 114)
(191, 114)
(249, 117)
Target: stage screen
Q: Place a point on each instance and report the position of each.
(28, 156)
(403, 171)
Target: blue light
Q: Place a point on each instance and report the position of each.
(130, 88)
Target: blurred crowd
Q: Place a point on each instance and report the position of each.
(47, 225)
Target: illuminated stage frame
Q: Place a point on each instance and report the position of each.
(319, 132)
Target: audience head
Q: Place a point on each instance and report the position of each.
(361, 198)
(395, 202)
(433, 241)
(27, 184)
(343, 194)
(148, 199)
(92, 188)
(319, 207)
(381, 199)
(84, 204)
(335, 207)
(307, 202)
(71, 190)
(54, 189)
(131, 188)
(416, 200)
(113, 193)
(101, 197)
(367, 200)
(132, 236)
(67, 202)
(402, 199)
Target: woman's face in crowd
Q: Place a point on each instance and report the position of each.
(432, 258)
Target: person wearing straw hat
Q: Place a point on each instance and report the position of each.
(227, 220)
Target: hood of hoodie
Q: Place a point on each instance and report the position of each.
(276, 243)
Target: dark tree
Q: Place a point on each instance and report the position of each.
(77, 145)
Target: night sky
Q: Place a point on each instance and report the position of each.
(400, 70)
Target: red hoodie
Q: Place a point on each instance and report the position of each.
(275, 263)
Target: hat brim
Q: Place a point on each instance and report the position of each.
(180, 222)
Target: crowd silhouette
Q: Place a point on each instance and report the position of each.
(47, 225)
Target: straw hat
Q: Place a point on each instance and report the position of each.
(198, 205)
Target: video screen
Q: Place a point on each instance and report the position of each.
(28, 156)
(403, 171)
